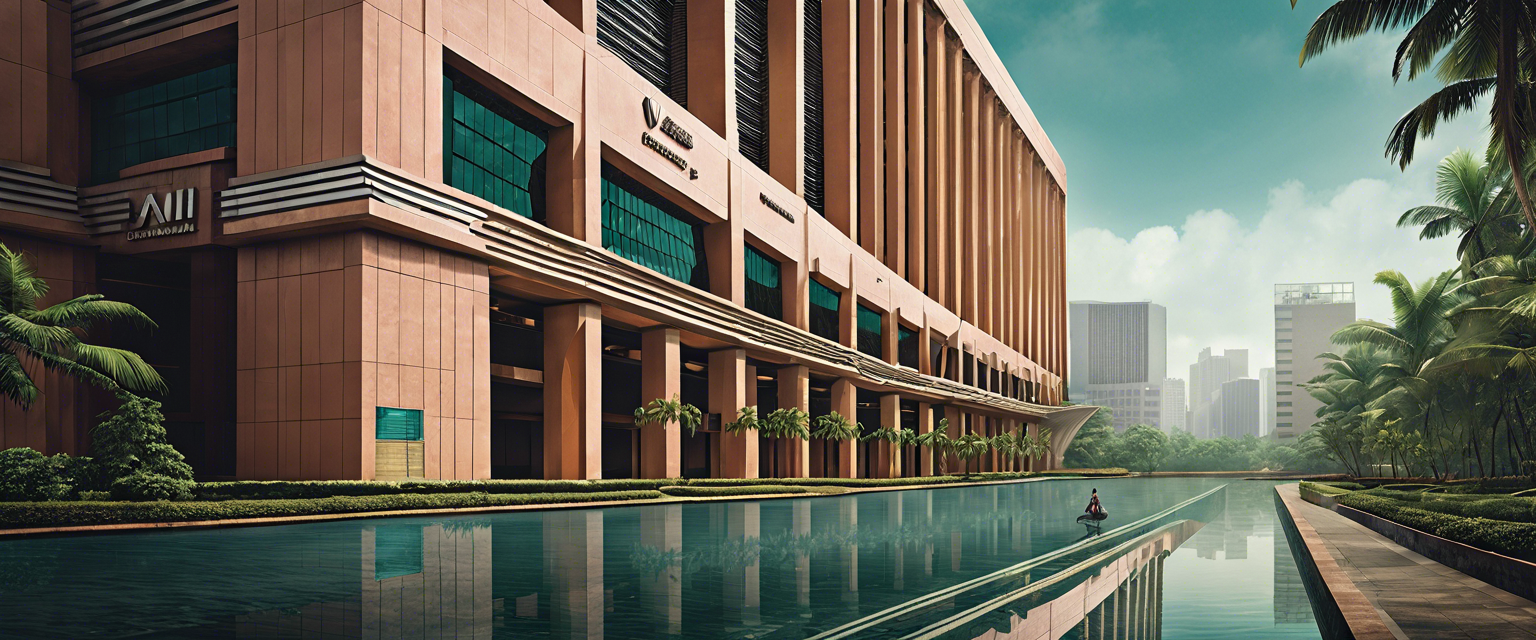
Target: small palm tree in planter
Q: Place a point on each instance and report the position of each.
(893, 438)
(662, 411)
(939, 444)
(788, 422)
(1036, 446)
(835, 427)
(1006, 444)
(971, 446)
(746, 420)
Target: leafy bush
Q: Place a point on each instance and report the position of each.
(1516, 539)
(1350, 486)
(20, 515)
(1409, 487)
(28, 475)
(293, 490)
(133, 455)
(1325, 488)
(753, 490)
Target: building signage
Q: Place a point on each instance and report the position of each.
(174, 218)
(653, 118)
(768, 202)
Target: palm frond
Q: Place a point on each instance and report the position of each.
(1451, 101)
(124, 367)
(15, 384)
(82, 311)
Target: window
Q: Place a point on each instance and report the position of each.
(1283, 362)
(815, 163)
(936, 357)
(492, 150)
(185, 115)
(1283, 414)
(1282, 393)
(765, 294)
(871, 333)
(1282, 340)
(643, 227)
(1282, 404)
(752, 80)
(1284, 425)
(906, 347)
(397, 424)
(651, 36)
(824, 311)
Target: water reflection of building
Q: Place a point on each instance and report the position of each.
(1291, 603)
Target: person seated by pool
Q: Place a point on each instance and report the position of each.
(1094, 508)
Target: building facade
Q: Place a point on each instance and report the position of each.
(1306, 315)
(468, 238)
(1119, 359)
(1206, 376)
(1266, 401)
(1237, 409)
(1174, 406)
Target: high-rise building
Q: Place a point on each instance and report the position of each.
(1235, 411)
(1174, 409)
(1266, 401)
(382, 246)
(1306, 316)
(1119, 358)
(1206, 376)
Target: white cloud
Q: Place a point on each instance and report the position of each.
(1216, 275)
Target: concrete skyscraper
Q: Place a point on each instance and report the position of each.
(1266, 401)
(1174, 409)
(1306, 315)
(1206, 376)
(1236, 409)
(1118, 358)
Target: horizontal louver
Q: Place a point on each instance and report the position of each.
(752, 80)
(815, 171)
(639, 32)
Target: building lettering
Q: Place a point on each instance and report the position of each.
(664, 150)
(768, 202)
(174, 218)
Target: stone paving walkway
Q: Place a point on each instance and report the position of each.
(1418, 597)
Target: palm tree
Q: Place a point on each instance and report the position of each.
(939, 444)
(1350, 384)
(662, 411)
(1467, 191)
(1483, 42)
(1421, 324)
(971, 446)
(892, 438)
(52, 337)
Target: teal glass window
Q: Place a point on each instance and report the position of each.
(871, 334)
(824, 311)
(390, 423)
(765, 293)
(644, 227)
(188, 114)
(397, 550)
(492, 150)
(907, 348)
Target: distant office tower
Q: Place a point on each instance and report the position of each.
(1174, 412)
(1306, 315)
(1119, 358)
(1235, 409)
(1266, 401)
(1206, 376)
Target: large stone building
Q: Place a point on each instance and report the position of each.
(1120, 359)
(1306, 315)
(467, 238)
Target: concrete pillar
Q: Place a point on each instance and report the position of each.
(712, 67)
(871, 135)
(890, 331)
(916, 95)
(728, 394)
(924, 425)
(786, 91)
(794, 391)
(937, 165)
(660, 377)
(895, 117)
(661, 529)
(573, 401)
(845, 402)
(954, 265)
(840, 101)
(888, 462)
(987, 204)
(971, 183)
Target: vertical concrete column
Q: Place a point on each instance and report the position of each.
(1003, 251)
(924, 346)
(895, 116)
(573, 401)
(917, 150)
(871, 136)
(725, 244)
(662, 529)
(889, 463)
(1020, 237)
(840, 100)
(971, 141)
(660, 377)
(574, 563)
(890, 332)
(574, 181)
(848, 312)
(924, 426)
(786, 92)
(936, 164)
(845, 401)
(986, 249)
(955, 151)
(727, 395)
(712, 67)
(797, 297)
(794, 391)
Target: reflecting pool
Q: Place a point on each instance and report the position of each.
(1217, 566)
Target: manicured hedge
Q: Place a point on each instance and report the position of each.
(23, 515)
(1326, 488)
(754, 490)
(1347, 486)
(1516, 539)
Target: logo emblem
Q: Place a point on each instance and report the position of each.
(652, 112)
(176, 217)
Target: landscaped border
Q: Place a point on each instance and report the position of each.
(1510, 574)
(44, 518)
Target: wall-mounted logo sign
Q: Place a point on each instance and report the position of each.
(768, 202)
(654, 117)
(174, 218)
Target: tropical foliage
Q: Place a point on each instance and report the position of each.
(1144, 448)
(663, 411)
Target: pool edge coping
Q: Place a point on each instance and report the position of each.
(129, 527)
(1360, 615)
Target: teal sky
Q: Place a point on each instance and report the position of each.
(1204, 166)
(1163, 108)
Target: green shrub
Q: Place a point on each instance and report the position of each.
(1506, 509)
(1325, 488)
(753, 490)
(1516, 539)
(1409, 487)
(1350, 486)
(28, 475)
(133, 456)
(294, 490)
(19, 515)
